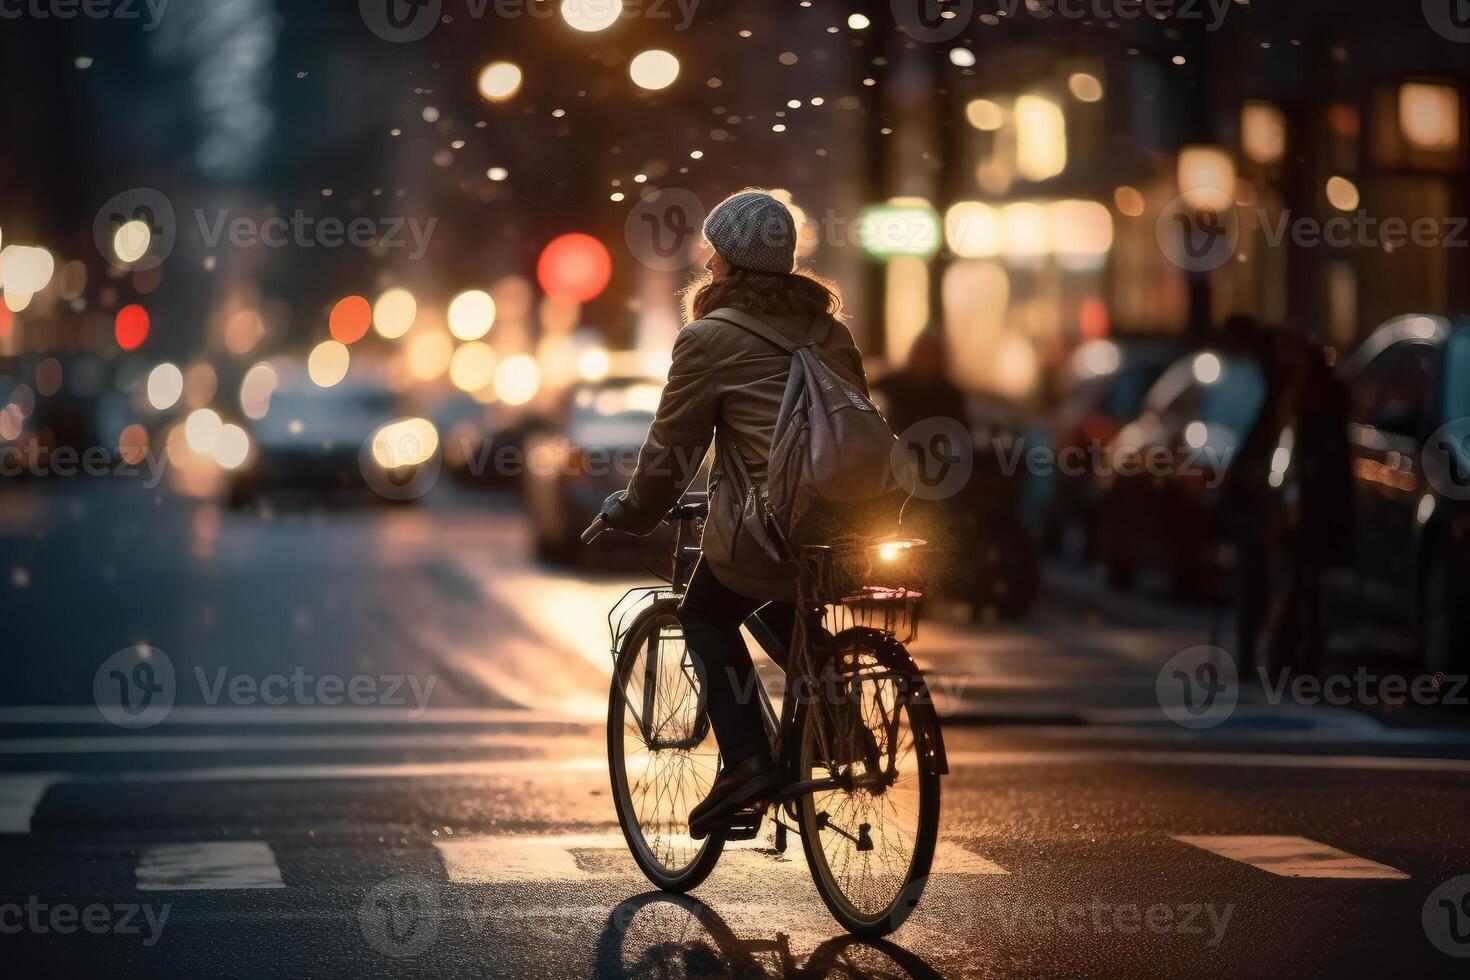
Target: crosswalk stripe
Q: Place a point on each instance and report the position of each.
(502, 860)
(951, 858)
(498, 860)
(211, 865)
(19, 797)
(1291, 857)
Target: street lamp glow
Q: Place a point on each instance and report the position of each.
(1207, 368)
(165, 386)
(26, 269)
(654, 70)
(256, 390)
(472, 367)
(232, 447)
(858, 22)
(471, 314)
(1342, 194)
(429, 353)
(131, 240)
(984, 115)
(328, 363)
(1041, 138)
(518, 379)
(394, 313)
(591, 16)
(1085, 87)
(202, 429)
(962, 57)
(499, 80)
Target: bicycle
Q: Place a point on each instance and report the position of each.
(857, 738)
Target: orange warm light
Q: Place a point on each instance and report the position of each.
(350, 319)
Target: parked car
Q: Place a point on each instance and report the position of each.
(1162, 484)
(1100, 390)
(316, 440)
(1409, 437)
(584, 451)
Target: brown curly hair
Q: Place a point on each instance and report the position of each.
(797, 294)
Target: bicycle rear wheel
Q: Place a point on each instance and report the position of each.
(661, 753)
(870, 845)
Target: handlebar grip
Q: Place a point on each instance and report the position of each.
(594, 530)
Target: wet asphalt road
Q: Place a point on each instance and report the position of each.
(460, 824)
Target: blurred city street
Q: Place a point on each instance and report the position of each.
(462, 823)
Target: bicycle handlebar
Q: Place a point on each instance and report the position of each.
(594, 530)
(696, 510)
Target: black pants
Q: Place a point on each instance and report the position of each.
(711, 615)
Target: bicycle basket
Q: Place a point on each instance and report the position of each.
(865, 582)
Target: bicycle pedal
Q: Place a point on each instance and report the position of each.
(744, 825)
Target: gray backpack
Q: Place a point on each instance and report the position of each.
(831, 468)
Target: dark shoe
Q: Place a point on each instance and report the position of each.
(735, 788)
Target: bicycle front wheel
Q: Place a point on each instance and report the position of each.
(661, 753)
(871, 728)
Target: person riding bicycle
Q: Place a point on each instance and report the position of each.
(727, 381)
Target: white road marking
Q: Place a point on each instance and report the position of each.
(367, 742)
(212, 865)
(951, 858)
(19, 797)
(1292, 857)
(261, 714)
(499, 860)
(1245, 760)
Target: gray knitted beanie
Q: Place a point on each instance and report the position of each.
(753, 230)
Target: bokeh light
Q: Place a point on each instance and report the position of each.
(654, 70)
(202, 430)
(471, 314)
(429, 352)
(25, 269)
(590, 16)
(131, 327)
(350, 319)
(328, 363)
(256, 389)
(131, 241)
(394, 313)
(165, 386)
(132, 444)
(574, 267)
(499, 80)
(518, 379)
(472, 367)
(232, 447)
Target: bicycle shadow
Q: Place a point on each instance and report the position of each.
(658, 934)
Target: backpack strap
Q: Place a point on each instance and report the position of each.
(768, 333)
